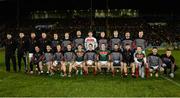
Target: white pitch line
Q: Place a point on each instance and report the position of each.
(170, 80)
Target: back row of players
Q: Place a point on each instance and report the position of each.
(81, 54)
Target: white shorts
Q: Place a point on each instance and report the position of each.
(103, 62)
(90, 62)
(154, 67)
(140, 64)
(55, 63)
(78, 63)
(116, 61)
(30, 55)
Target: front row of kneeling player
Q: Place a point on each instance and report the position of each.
(81, 61)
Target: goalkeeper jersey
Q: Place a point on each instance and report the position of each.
(139, 57)
(91, 40)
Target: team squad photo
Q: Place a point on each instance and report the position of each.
(89, 48)
(76, 55)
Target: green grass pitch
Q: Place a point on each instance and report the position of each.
(21, 84)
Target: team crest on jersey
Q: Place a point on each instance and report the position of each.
(91, 40)
(80, 53)
(103, 52)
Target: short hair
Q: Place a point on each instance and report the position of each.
(58, 45)
(154, 48)
(69, 44)
(55, 33)
(90, 31)
(48, 45)
(139, 46)
(127, 32)
(168, 49)
(115, 31)
(9, 33)
(90, 45)
(115, 44)
(140, 30)
(36, 46)
(127, 44)
(80, 45)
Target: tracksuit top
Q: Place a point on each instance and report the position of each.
(54, 43)
(103, 41)
(113, 41)
(58, 56)
(90, 55)
(77, 41)
(154, 60)
(116, 56)
(167, 60)
(65, 42)
(128, 56)
(32, 44)
(48, 56)
(140, 42)
(127, 41)
(69, 56)
(37, 57)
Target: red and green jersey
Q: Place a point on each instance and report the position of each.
(103, 55)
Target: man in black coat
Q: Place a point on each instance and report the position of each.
(22, 47)
(10, 48)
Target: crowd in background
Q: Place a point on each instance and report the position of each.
(156, 35)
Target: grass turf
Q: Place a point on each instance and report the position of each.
(21, 84)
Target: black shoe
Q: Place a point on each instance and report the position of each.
(125, 75)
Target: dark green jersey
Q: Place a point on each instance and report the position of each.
(103, 55)
(79, 56)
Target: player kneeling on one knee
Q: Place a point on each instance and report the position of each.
(154, 62)
(168, 63)
(116, 60)
(128, 60)
(142, 68)
(36, 59)
(90, 60)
